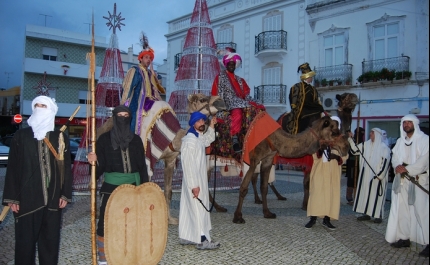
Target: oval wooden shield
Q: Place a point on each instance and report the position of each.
(136, 225)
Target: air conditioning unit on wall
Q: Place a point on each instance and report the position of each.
(329, 103)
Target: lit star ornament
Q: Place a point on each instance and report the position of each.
(43, 87)
(114, 20)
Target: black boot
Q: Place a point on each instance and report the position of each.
(311, 222)
(425, 252)
(236, 145)
(326, 223)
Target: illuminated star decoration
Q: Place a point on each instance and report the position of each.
(114, 20)
(43, 87)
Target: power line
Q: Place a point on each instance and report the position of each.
(45, 17)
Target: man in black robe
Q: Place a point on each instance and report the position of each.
(38, 184)
(120, 155)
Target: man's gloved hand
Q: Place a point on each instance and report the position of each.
(338, 159)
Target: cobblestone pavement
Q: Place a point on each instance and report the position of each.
(283, 240)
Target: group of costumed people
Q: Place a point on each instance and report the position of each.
(120, 156)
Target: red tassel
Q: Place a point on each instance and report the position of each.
(226, 168)
(241, 173)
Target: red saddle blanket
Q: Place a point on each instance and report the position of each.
(256, 126)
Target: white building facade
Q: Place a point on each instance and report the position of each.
(342, 40)
(56, 62)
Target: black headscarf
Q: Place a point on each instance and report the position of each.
(121, 135)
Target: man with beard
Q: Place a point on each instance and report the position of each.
(38, 184)
(120, 156)
(409, 214)
(194, 219)
(235, 92)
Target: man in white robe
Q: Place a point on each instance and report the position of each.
(372, 180)
(409, 214)
(194, 219)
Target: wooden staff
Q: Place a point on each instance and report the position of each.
(357, 157)
(93, 145)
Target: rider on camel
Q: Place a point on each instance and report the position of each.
(141, 86)
(235, 92)
(305, 103)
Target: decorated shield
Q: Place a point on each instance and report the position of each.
(136, 225)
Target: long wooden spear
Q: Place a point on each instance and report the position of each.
(93, 149)
(356, 141)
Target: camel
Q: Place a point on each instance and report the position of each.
(208, 105)
(346, 105)
(324, 132)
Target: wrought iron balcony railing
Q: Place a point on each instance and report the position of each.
(395, 63)
(223, 45)
(340, 74)
(271, 40)
(178, 57)
(271, 94)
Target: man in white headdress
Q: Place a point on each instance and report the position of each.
(38, 184)
(409, 214)
(324, 186)
(372, 179)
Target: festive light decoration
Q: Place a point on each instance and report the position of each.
(199, 63)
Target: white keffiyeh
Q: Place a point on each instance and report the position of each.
(42, 120)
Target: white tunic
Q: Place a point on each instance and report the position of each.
(410, 221)
(371, 191)
(194, 220)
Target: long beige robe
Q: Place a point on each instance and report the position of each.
(324, 187)
(193, 218)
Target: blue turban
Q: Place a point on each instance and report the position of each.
(195, 117)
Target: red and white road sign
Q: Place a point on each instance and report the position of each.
(17, 118)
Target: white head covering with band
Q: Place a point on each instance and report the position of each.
(42, 120)
(409, 141)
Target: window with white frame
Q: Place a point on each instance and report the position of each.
(272, 21)
(333, 46)
(386, 36)
(272, 75)
(225, 34)
(334, 49)
(49, 54)
(385, 40)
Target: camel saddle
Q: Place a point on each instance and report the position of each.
(136, 225)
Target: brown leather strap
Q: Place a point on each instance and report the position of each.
(171, 147)
(48, 143)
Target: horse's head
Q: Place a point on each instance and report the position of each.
(346, 105)
(208, 105)
(329, 134)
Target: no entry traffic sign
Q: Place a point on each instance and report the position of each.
(17, 118)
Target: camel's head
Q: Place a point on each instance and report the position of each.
(208, 105)
(346, 105)
(329, 134)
